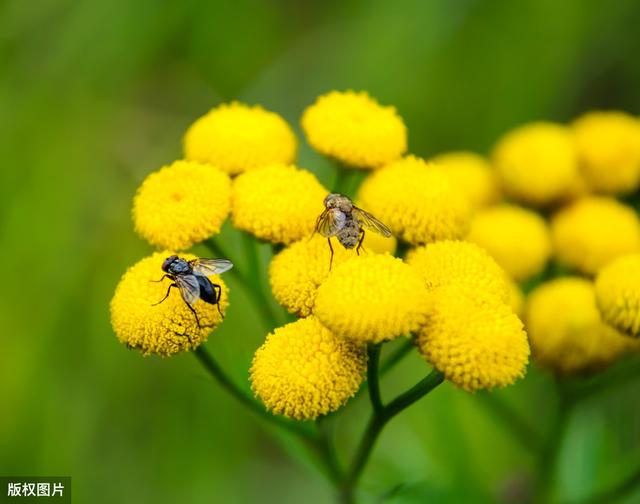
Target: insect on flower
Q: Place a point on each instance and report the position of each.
(190, 277)
(342, 219)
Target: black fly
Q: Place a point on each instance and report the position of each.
(191, 278)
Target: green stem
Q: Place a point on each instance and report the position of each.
(212, 366)
(376, 424)
(373, 351)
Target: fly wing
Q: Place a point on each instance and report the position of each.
(368, 221)
(209, 267)
(189, 288)
(328, 224)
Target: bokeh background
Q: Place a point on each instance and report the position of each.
(94, 95)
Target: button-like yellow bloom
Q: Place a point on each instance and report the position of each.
(593, 231)
(518, 239)
(371, 298)
(182, 204)
(537, 163)
(278, 203)
(237, 137)
(297, 271)
(418, 203)
(354, 129)
(471, 174)
(169, 327)
(474, 339)
(460, 263)
(609, 150)
(304, 371)
(618, 294)
(565, 329)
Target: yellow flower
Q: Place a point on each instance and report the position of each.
(537, 163)
(169, 327)
(474, 339)
(460, 263)
(472, 175)
(518, 239)
(354, 129)
(618, 294)
(371, 298)
(417, 202)
(565, 329)
(593, 231)
(278, 203)
(237, 137)
(304, 371)
(609, 150)
(297, 271)
(182, 204)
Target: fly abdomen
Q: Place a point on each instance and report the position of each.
(349, 234)
(207, 293)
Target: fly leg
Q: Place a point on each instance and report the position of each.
(163, 277)
(194, 314)
(331, 248)
(218, 296)
(166, 295)
(360, 242)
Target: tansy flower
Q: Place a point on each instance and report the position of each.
(371, 298)
(460, 263)
(297, 271)
(304, 371)
(537, 163)
(609, 150)
(182, 204)
(237, 137)
(419, 204)
(565, 329)
(516, 238)
(278, 203)
(618, 294)
(474, 339)
(169, 327)
(354, 129)
(593, 231)
(471, 174)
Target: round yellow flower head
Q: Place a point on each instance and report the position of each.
(297, 271)
(565, 329)
(537, 163)
(418, 203)
(474, 339)
(354, 129)
(371, 298)
(593, 231)
(471, 174)
(166, 328)
(278, 203)
(237, 137)
(609, 150)
(460, 263)
(304, 371)
(516, 238)
(182, 204)
(618, 294)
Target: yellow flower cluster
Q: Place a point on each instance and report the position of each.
(566, 331)
(593, 231)
(277, 203)
(182, 204)
(518, 239)
(355, 130)
(618, 294)
(166, 328)
(609, 150)
(472, 175)
(537, 163)
(371, 298)
(304, 371)
(418, 203)
(236, 137)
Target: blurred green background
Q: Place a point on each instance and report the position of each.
(94, 95)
